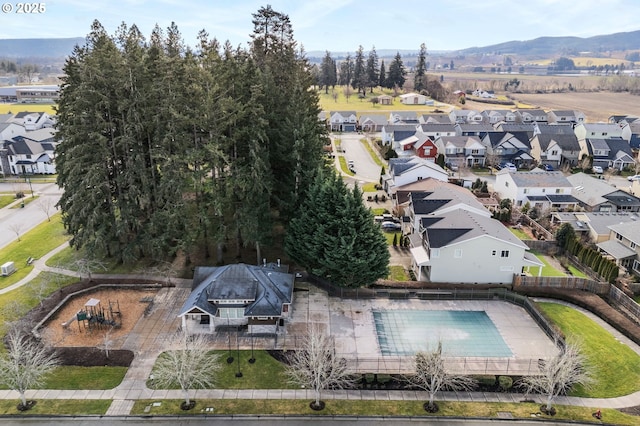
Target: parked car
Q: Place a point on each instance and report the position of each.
(547, 167)
(634, 177)
(508, 166)
(597, 169)
(391, 226)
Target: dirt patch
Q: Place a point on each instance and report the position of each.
(63, 330)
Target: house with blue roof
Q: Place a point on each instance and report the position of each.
(239, 295)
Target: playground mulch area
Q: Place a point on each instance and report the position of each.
(131, 304)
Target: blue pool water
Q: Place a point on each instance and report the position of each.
(462, 333)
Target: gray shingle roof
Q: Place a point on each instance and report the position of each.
(540, 179)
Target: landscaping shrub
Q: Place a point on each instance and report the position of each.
(505, 383)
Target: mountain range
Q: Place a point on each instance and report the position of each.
(543, 46)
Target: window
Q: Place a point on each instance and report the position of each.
(636, 266)
(28, 156)
(435, 253)
(504, 253)
(544, 190)
(525, 191)
(618, 237)
(554, 152)
(558, 190)
(231, 313)
(493, 252)
(506, 184)
(457, 253)
(632, 245)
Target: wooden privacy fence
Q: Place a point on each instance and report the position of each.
(569, 283)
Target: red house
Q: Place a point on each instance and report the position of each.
(425, 148)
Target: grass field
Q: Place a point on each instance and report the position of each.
(362, 106)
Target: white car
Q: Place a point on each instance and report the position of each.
(391, 226)
(634, 177)
(597, 169)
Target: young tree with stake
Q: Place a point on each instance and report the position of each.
(25, 364)
(317, 366)
(432, 376)
(189, 364)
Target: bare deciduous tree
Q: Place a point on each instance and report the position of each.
(432, 376)
(316, 365)
(17, 229)
(86, 266)
(25, 364)
(45, 204)
(107, 342)
(559, 374)
(164, 269)
(188, 364)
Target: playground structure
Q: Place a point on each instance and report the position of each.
(95, 316)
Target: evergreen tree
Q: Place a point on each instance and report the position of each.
(421, 69)
(360, 77)
(372, 69)
(397, 73)
(327, 72)
(564, 235)
(382, 75)
(334, 235)
(346, 71)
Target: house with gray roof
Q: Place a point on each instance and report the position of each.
(593, 226)
(507, 147)
(596, 195)
(343, 121)
(403, 171)
(489, 252)
(461, 151)
(403, 117)
(555, 149)
(612, 153)
(258, 297)
(396, 132)
(372, 122)
(435, 118)
(566, 116)
(533, 115)
(465, 116)
(542, 190)
(624, 245)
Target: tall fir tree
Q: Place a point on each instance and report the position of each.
(335, 236)
(372, 69)
(346, 71)
(359, 80)
(397, 73)
(421, 70)
(382, 75)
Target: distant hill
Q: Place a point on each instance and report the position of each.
(548, 46)
(38, 47)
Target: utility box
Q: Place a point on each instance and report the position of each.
(8, 268)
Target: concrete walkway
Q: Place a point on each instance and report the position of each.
(150, 336)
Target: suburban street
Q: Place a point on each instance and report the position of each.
(366, 169)
(31, 215)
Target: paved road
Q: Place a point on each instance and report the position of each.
(32, 214)
(366, 169)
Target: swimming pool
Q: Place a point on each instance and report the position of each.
(463, 333)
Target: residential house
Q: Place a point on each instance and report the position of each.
(592, 226)
(555, 149)
(416, 99)
(34, 120)
(624, 245)
(533, 115)
(435, 119)
(419, 144)
(542, 190)
(596, 195)
(436, 130)
(495, 116)
(461, 150)
(403, 117)
(9, 130)
(611, 152)
(372, 122)
(473, 129)
(527, 128)
(602, 131)
(483, 94)
(23, 156)
(506, 147)
(258, 297)
(343, 121)
(566, 116)
(403, 171)
(489, 252)
(396, 132)
(465, 116)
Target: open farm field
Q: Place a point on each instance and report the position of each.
(597, 106)
(14, 108)
(587, 61)
(365, 106)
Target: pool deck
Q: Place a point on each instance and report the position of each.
(351, 324)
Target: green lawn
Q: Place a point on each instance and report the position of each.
(379, 212)
(57, 407)
(28, 199)
(377, 408)
(519, 233)
(371, 152)
(616, 367)
(35, 243)
(576, 272)
(389, 236)
(5, 200)
(343, 166)
(369, 187)
(73, 377)
(265, 373)
(365, 106)
(547, 270)
(398, 273)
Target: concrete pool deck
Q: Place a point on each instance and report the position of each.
(351, 324)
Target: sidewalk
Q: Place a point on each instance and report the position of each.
(150, 335)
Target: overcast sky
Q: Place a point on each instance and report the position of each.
(338, 25)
